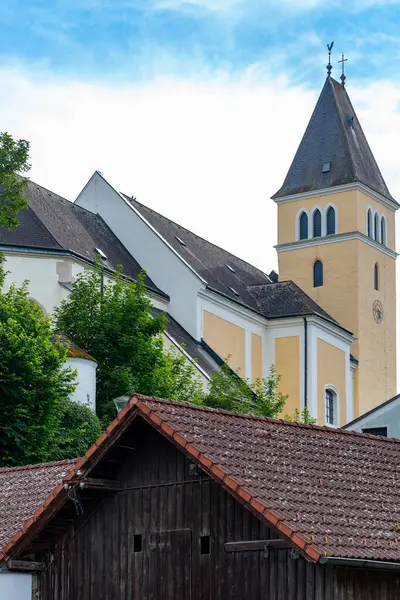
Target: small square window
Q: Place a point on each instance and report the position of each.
(205, 545)
(326, 167)
(137, 542)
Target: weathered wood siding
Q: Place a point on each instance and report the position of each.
(96, 560)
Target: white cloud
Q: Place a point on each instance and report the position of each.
(207, 153)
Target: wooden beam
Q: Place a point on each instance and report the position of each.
(251, 545)
(96, 484)
(25, 565)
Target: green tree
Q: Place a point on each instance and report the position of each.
(34, 382)
(303, 416)
(112, 321)
(77, 427)
(228, 390)
(14, 157)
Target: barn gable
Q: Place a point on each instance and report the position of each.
(209, 504)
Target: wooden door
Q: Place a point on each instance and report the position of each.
(169, 562)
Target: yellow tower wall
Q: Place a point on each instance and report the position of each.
(348, 291)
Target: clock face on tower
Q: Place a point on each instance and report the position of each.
(377, 311)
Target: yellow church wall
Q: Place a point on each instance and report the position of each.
(377, 342)
(226, 339)
(344, 202)
(287, 363)
(256, 356)
(331, 370)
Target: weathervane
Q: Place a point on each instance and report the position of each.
(329, 66)
(343, 76)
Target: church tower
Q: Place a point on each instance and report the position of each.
(336, 239)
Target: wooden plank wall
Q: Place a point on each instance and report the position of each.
(99, 561)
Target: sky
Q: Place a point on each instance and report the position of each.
(196, 107)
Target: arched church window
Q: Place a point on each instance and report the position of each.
(331, 408)
(383, 231)
(376, 276)
(376, 227)
(317, 223)
(330, 221)
(369, 223)
(303, 226)
(318, 274)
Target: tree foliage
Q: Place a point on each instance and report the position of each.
(228, 390)
(303, 416)
(34, 382)
(113, 322)
(76, 429)
(14, 157)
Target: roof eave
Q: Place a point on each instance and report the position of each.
(22, 248)
(360, 563)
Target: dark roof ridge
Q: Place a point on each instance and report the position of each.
(196, 235)
(339, 110)
(251, 417)
(32, 467)
(43, 226)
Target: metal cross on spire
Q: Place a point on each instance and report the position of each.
(343, 76)
(329, 66)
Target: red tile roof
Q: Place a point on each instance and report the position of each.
(23, 490)
(331, 492)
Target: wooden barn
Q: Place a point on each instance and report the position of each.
(178, 502)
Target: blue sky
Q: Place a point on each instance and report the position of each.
(136, 39)
(195, 106)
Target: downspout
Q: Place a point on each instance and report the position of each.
(305, 363)
(355, 562)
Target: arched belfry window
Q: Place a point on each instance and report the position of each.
(383, 231)
(303, 226)
(369, 223)
(376, 276)
(318, 274)
(317, 223)
(376, 227)
(330, 221)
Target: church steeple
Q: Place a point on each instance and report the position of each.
(334, 150)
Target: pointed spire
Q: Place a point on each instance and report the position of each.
(334, 150)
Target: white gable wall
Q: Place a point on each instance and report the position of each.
(15, 586)
(168, 271)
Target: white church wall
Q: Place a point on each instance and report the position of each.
(41, 272)
(85, 392)
(15, 586)
(163, 265)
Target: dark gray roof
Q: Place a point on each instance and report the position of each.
(334, 135)
(193, 348)
(285, 299)
(254, 288)
(208, 260)
(53, 222)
